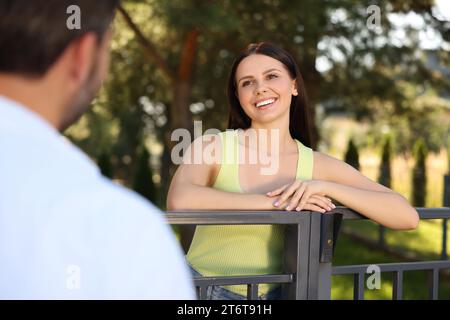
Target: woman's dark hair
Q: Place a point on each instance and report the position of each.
(299, 118)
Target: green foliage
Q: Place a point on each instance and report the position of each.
(385, 83)
(143, 180)
(448, 154)
(105, 165)
(423, 118)
(419, 174)
(352, 155)
(385, 175)
(204, 15)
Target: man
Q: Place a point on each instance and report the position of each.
(65, 231)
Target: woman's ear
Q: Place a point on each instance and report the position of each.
(294, 88)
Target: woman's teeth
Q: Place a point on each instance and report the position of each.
(264, 103)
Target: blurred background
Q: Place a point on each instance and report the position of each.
(378, 78)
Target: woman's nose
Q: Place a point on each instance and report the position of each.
(260, 89)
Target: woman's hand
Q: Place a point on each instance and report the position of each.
(303, 195)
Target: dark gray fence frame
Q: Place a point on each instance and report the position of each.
(310, 239)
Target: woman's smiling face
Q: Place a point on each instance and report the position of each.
(264, 88)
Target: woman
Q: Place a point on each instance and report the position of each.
(266, 94)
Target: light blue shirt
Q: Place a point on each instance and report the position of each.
(66, 232)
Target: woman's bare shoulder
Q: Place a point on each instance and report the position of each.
(325, 164)
(201, 160)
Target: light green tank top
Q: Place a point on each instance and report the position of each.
(241, 250)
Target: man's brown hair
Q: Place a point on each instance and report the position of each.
(33, 34)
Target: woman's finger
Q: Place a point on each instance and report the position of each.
(323, 197)
(304, 199)
(287, 193)
(293, 203)
(277, 191)
(318, 202)
(313, 207)
(321, 202)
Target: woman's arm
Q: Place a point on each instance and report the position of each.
(340, 181)
(191, 186)
(354, 190)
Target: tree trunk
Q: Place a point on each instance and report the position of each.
(181, 116)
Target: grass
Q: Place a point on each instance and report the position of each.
(426, 240)
(349, 252)
(414, 282)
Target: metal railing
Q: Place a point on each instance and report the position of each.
(398, 269)
(309, 243)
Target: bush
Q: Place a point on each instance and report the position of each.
(419, 174)
(385, 176)
(352, 155)
(104, 163)
(143, 181)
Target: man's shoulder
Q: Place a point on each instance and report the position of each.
(104, 195)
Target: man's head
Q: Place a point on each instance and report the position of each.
(41, 45)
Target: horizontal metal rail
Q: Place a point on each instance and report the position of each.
(252, 282)
(209, 217)
(233, 217)
(424, 213)
(398, 270)
(308, 256)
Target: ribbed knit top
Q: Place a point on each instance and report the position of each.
(241, 250)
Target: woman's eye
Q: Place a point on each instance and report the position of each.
(272, 76)
(246, 83)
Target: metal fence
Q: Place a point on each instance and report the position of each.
(310, 239)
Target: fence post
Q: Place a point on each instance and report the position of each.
(323, 237)
(446, 203)
(320, 273)
(296, 258)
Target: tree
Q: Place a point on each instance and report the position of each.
(143, 180)
(419, 174)
(352, 155)
(169, 54)
(385, 175)
(448, 155)
(104, 163)
(446, 198)
(384, 178)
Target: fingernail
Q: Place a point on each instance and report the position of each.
(322, 210)
(276, 203)
(287, 208)
(334, 207)
(298, 209)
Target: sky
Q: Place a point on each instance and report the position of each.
(443, 7)
(428, 38)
